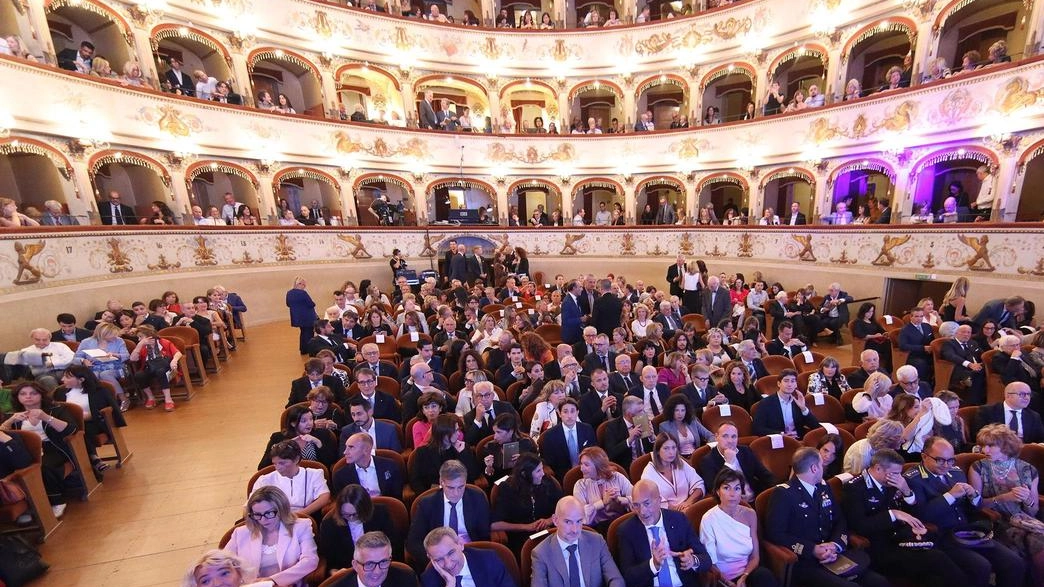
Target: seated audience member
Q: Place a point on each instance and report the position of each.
(463, 509)
(680, 485)
(657, 545)
(751, 359)
(874, 338)
(78, 60)
(378, 475)
(446, 444)
(601, 403)
(453, 563)
(505, 432)
(382, 404)
(14, 456)
(604, 492)
(326, 339)
(67, 330)
(956, 432)
(110, 366)
(80, 386)
(325, 414)
(1013, 365)
(219, 567)
(828, 379)
(729, 531)
(431, 405)
(1008, 486)
(877, 506)
(943, 497)
(784, 412)
(874, 401)
(700, 393)
(270, 521)
(833, 311)
(916, 338)
(968, 371)
(314, 377)
(683, 425)
(737, 387)
(919, 418)
(565, 441)
(805, 517)
(831, 446)
(625, 440)
(479, 420)
(157, 360)
(1015, 412)
(525, 502)
(586, 553)
(908, 383)
(383, 434)
(315, 444)
(44, 358)
(729, 454)
(372, 565)
(883, 434)
(651, 393)
(785, 344)
(353, 515)
(547, 404)
(305, 488)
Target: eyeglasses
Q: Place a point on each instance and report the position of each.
(485, 394)
(946, 462)
(266, 516)
(569, 366)
(1022, 394)
(369, 566)
(701, 378)
(366, 381)
(914, 382)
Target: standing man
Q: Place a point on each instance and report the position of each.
(796, 218)
(983, 204)
(572, 323)
(426, 112)
(231, 209)
(716, 304)
(675, 275)
(180, 82)
(916, 339)
(665, 213)
(605, 316)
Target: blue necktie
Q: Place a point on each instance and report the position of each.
(574, 567)
(571, 443)
(664, 574)
(453, 520)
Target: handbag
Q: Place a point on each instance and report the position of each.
(20, 563)
(10, 492)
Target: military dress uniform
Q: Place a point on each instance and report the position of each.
(800, 520)
(867, 506)
(934, 506)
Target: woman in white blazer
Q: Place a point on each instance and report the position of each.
(274, 544)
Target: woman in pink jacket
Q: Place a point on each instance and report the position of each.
(274, 544)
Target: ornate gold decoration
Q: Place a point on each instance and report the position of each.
(805, 254)
(284, 250)
(929, 261)
(694, 37)
(559, 51)
(26, 252)
(955, 107)
(746, 246)
(431, 245)
(247, 259)
(657, 251)
(570, 240)
(901, 119)
(822, 130)
(885, 258)
(359, 251)
(844, 259)
(499, 152)
(164, 265)
(119, 262)
(1016, 95)
(1038, 270)
(170, 120)
(688, 148)
(204, 255)
(980, 260)
(728, 29)
(686, 246)
(346, 145)
(627, 244)
(715, 252)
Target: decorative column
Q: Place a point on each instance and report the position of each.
(502, 200)
(902, 194)
(924, 47)
(489, 12)
(180, 202)
(329, 85)
(39, 38)
(266, 198)
(629, 115)
(1006, 177)
(349, 209)
(240, 69)
(1035, 34)
(493, 95)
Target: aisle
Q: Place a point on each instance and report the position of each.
(186, 483)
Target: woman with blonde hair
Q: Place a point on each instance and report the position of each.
(546, 414)
(272, 528)
(874, 401)
(18, 49)
(110, 367)
(219, 567)
(953, 303)
(604, 491)
(882, 434)
(10, 217)
(132, 75)
(100, 67)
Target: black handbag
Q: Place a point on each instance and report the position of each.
(20, 563)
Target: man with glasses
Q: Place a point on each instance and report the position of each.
(479, 421)
(909, 382)
(1015, 412)
(376, 474)
(576, 384)
(944, 498)
(659, 545)
(454, 506)
(115, 212)
(587, 345)
(624, 439)
(371, 354)
(312, 379)
(421, 380)
(384, 405)
(1011, 365)
(701, 393)
(426, 351)
(384, 434)
(601, 358)
(372, 564)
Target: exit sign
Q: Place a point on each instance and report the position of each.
(925, 276)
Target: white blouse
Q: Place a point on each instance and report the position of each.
(678, 485)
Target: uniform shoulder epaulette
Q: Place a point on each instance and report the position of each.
(784, 485)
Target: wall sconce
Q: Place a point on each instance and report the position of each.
(1005, 141)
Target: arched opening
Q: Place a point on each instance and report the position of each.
(862, 184)
(526, 195)
(369, 187)
(589, 194)
(729, 89)
(667, 96)
(459, 93)
(31, 174)
(724, 191)
(975, 25)
(654, 191)
(466, 201)
(524, 101)
(1031, 199)
(934, 175)
(139, 179)
(598, 99)
(373, 88)
(800, 68)
(71, 22)
(278, 71)
(875, 50)
(312, 188)
(209, 181)
(783, 187)
(196, 50)
(583, 15)
(516, 10)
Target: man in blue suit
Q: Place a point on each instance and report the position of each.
(572, 327)
(562, 444)
(916, 339)
(465, 510)
(378, 475)
(454, 565)
(784, 412)
(383, 434)
(659, 544)
(1000, 311)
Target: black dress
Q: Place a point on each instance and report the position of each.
(772, 105)
(948, 313)
(337, 547)
(525, 444)
(426, 460)
(517, 506)
(743, 398)
(862, 329)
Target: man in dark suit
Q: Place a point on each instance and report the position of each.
(180, 81)
(463, 509)
(909, 382)
(371, 550)
(668, 319)
(748, 354)
(652, 393)
(600, 404)
(475, 265)
(784, 412)
(601, 358)
(325, 339)
(378, 475)
(944, 498)
(869, 362)
(313, 378)
(586, 346)
(665, 212)
(675, 275)
(701, 392)
(586, 553)
(572, 324)
(605, 316)
(1014, 412)
(624, 441)
(1009, 364)
(1001, 311)
(553, 368)
(202, 325)
(796, 218)
(716, 304)
(452, 563)
(426, 350)
(514, 369)
(371, 359)
(659, 544)
(876, 506)
(458, 265)
(67, 329)
(426, 113)
(115, 212)
(833, 312)
(779, 312)
(968, 371)
(622, 379)
(785, 345)
(361, 413)
(730, 453)
(576, 384)
(79, 60)
(805, 517)
(479, 421)
(382, 405)
(885, 208)
(916, 339)
(586, 298)
(561, 444)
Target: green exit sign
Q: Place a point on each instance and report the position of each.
(925, 276)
